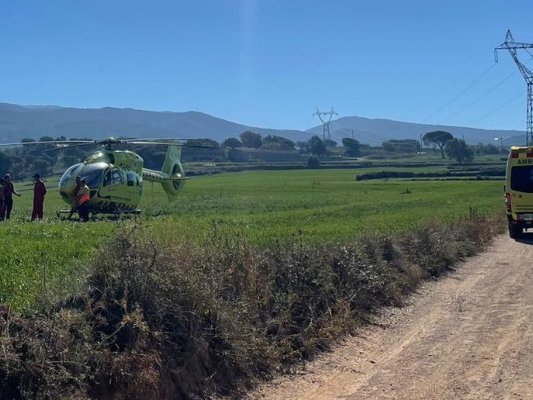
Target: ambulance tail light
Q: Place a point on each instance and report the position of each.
(514, 154)
(508, 201)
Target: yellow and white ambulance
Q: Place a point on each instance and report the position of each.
(519, 190)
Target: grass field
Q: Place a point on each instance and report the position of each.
(41, 261)
(324, 205)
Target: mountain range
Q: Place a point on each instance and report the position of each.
(17, 122)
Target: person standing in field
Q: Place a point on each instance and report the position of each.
(84, 195)
(76, 193)
(9, 191)
(39, 191)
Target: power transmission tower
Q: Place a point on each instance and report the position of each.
(325, 121)
(513, 47)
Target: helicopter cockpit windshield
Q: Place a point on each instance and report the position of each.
(67, 175)
(93, 174)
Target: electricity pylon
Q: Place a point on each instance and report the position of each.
(513, 47)
(325, 122)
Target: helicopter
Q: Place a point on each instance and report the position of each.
(116, 177)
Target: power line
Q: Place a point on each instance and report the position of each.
(463, 91)
(492, 89)
(505, 103)
(467, 88)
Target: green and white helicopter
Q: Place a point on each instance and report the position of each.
(116, 177)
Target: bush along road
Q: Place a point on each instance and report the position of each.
(189, 320)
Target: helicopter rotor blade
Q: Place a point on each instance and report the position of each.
(199, 146)
(70, 147)
(67, 144)
(55, 142)
(170, 143)
(140, 142)
(167, 139)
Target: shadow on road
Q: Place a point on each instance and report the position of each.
(526, 238)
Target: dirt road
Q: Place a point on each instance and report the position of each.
(467, 336)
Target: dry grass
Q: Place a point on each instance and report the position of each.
(196, 319)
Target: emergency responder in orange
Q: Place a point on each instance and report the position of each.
(84, 195)
(76, 193)
(39, 191)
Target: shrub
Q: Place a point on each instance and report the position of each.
(194, 319)
(313, 162)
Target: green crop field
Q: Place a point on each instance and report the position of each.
(45, 260)
(324, 205)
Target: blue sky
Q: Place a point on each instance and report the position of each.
(270, 63)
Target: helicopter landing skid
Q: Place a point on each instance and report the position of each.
(71, 212)
(137, 211)
(117, 212)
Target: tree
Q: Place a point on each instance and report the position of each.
(302, 147)
(388, 147)
(68, 160)
(481, 148)
(5, 162)
(251, 139)
(458, 149)
(231, 142)
(439, 138)
(352, 147)
(401, 146)
(201, 150)
(153, 156)
(44, 147)
(25, 141)
(275, 142)
(330, 143)
(316, 146)
(41, 166)
(313, 162)
(491, 149)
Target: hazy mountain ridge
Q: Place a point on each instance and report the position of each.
(17, 122)
(376, 131)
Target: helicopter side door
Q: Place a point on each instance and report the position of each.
(120, 187)
(113, 185)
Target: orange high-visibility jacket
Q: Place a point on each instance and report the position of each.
(85, 195)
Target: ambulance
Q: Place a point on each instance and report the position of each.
(519, 190)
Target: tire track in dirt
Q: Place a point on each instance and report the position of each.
(466, 336)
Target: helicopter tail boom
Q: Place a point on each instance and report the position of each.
(171, 176)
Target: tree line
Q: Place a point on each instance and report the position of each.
(29, 157)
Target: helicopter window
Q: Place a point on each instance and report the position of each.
(93, 178)
(92, 173)
(113, 177)
(68, 173)
(131, 178)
